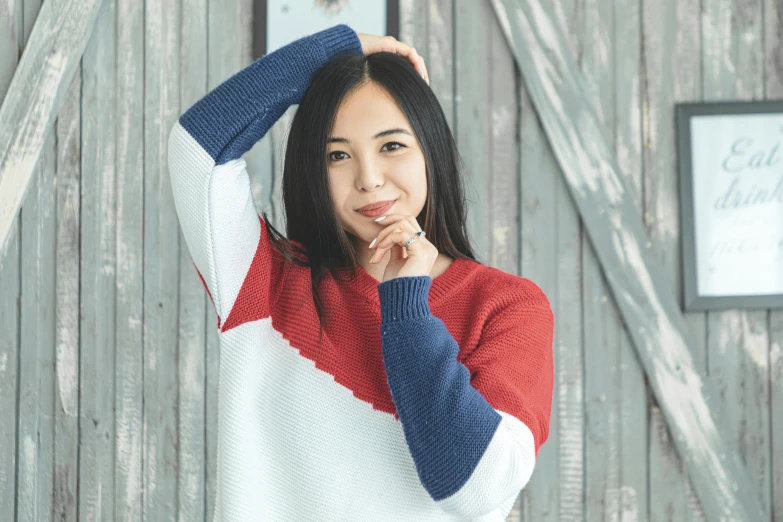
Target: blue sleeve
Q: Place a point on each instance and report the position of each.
(472, 458)
(230, 119)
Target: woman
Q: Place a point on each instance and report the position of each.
(425, 393)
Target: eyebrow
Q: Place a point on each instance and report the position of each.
(381, 134)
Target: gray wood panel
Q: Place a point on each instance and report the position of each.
(98, 281)
(670, 75)
(129, 196)
(738, 340)
(648, 308)
(11, 41)
(108, 346)
(161, 266)
(66, 416)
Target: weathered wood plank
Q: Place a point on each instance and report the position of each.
(672, 73)
(35, 95)
(36, 376)
(602, 324)
(36, 367)
(440, 54)
(738, 344)
(161, 262)
(472, 124)
(773, 49)
(632, 498)
(649, 308)
(98, 263)
(551, 231)
(192, 300)
(130, 246)
(11, 32)
(66, 393)
(503, 192)
(35, 415)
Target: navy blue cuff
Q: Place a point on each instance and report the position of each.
(404, 298)
(338, 39)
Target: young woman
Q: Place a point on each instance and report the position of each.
(368, 371)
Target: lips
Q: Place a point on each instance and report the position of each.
(376, 209)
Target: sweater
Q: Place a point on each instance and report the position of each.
(428, 399)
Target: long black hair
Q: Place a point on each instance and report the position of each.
(309, 212)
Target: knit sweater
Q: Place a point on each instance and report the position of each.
(428, 399)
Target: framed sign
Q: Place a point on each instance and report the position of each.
(731, 199)
(279, 22)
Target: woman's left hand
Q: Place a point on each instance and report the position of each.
(421, 254)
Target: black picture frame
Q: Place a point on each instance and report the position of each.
(259, 24)
(692, 300)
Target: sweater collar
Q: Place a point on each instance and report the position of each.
(455, 276)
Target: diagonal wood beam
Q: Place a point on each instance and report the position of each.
(36, 93)
(649, 308)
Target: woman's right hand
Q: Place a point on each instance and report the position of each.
(389, 44)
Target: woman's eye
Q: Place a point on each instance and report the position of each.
(395, 143)
(335, 152)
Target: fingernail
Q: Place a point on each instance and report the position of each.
(373, 256)
(373, 242)
(380, 218)
(421, 73)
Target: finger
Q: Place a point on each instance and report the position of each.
(396, 238)
(417, 61)
(394, 221)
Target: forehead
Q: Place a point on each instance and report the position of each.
(366, 110)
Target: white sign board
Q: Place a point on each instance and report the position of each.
(737, 198)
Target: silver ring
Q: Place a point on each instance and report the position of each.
(414, 238)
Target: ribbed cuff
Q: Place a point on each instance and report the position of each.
(404, 298)
(338, 39)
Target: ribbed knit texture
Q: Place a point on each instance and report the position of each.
(428, 399)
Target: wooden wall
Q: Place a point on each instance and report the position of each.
(108, 351)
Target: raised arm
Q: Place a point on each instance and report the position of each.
(209, 180)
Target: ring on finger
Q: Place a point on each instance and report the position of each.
(415, 237)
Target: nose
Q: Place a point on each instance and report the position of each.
(370, 176)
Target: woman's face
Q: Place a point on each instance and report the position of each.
(365, 168)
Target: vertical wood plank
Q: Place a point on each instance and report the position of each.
(161, 263)
(604, 332)
(738, 340)
(631, 500)
(439, 57)
(66, 395)
(36, 376)
(130, 248)
(225, 57)
(571, 350)
(98, 261)
(503, 194)
(773, 54)
(671, 74)
(473, 130)
(413, 28)
(192, 298)
(551, 256)
(11, 45)
(36, 413)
